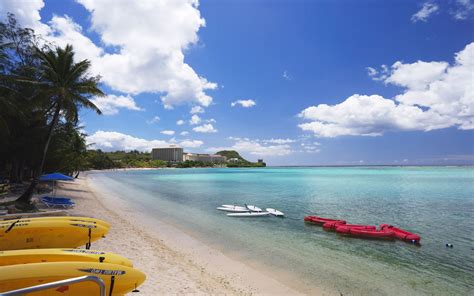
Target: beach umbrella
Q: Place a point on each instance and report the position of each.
(55, 177)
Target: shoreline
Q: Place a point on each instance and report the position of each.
(174, 261)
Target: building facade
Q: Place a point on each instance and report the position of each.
(171, 154)
(215, 158)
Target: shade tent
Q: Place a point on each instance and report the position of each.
(55, 177)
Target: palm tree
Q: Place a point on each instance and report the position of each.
(65, 88)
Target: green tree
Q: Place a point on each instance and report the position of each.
(64, 87)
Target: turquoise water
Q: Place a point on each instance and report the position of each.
(435, 202)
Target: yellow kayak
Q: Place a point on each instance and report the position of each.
(66, 218)
(48, 234)
(60, 255)
(125, 279)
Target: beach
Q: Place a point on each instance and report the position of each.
(174, 262)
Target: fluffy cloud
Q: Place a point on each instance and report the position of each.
(425, 12)
(197, 109)
(184, 133)
(110, 105)
(436, 95)
(195, 119)
(205, 128)
(155, 119)
(112, 141)
(180, 122)
(167, 132)
(147, 55)
(244, 103)
(286, 75)
(254, 147)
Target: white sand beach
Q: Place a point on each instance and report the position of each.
(174, 262)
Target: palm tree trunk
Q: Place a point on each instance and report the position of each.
(25, 198)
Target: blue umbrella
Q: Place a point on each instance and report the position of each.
(55, 177)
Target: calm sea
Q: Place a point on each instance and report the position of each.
(435, 202)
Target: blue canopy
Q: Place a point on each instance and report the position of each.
(56, 177)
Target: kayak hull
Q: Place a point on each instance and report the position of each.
(331, 226)
(365, 233)
(320, 221)
(275, 212)
(402, 234)
(249, 214)
(25, 275)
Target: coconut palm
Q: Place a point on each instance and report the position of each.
(64, 87)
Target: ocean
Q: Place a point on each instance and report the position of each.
(435, 202)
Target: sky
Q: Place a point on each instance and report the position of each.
(291, 81)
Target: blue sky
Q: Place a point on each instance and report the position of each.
(313, 82)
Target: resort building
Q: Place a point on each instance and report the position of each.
(171, 154)
(215, 158)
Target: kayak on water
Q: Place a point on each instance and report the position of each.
(275, 212)
(335, 224)
(402, 234)
(320, 221)
(245, 208)
(365, 233)
(249, 214)
(235, 210)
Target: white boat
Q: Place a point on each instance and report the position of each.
(275, 212)
(246, 208)
(233, 209)
(249, 214)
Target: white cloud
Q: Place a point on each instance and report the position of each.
(464, 9)
(197, 109)
(110, 104)
(244, 103)
(184, 133)
(195, 119)
(155, 119)
(205, 128)
(147, 56)
(286, 75)
(279, 141)
(167, 132)
(112, 141)
(253, 147)
(180, 122)
(425, 12)
(436, 95)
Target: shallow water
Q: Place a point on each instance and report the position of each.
(435, 202)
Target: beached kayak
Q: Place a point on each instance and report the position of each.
(365, 232)
(249, 214)
(275, 212)
(334, 224)
(320, 221)
(55, 218)
(125, 279)
(48, 234)
(60, 255)
(402, 234)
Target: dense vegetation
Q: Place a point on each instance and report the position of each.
(42, 90)
(239, 160)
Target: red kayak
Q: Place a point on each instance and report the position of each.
(402, 234)
(365, 232)
(334, 226)
(331, 225)
(320, 221)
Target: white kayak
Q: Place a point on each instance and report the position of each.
(275, 212)
(249, 214)
(245, 208)
(234, 209)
